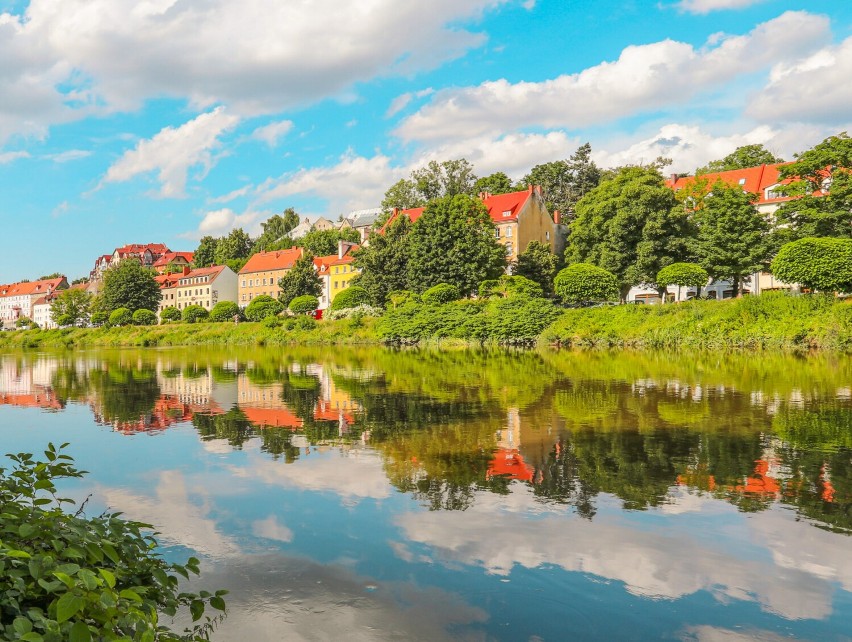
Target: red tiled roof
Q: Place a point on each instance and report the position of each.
(501, 207)
(752, 179)
(272, 417)
(278, 260)
(168, 257)
(322, 263)
(508, 462)
(31, 287)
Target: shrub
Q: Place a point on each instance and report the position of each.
(170, 313)
(194, 314)
(683, 275)
(401, 297)
(487, 288)
(70, 577)
(224, 311)
(144, 317)
(64, 319)
(99, 318)
(305, 323)
(359, 310)
(263, 306)
(121, 316)
(510, 285)
(272, 321)
(583, 282)
(304, 304)
(350, 297)
(441, 293)
(822, 264)
(25, 322)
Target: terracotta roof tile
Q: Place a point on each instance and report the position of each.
(278, 260)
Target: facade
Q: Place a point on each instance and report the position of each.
(204, 287)
(261, 273)
(362, 221)
(18, 299)
(146, 253)
(336, 272)
(301, 229)
(177, 259)
(323, 224)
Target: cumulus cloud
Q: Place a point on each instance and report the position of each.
(644, 77)
(173, 151)
(220, 222)
(271, 133)
(270, 528)
(706, 6)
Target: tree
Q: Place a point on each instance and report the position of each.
(402, 195)
(510, 285)
(383, 264)
(120, 317)
(732, 240)
(350, 297)
(324, 242)
(129, 285)
(538, 264)
(565, 182)
(205, 253)
(237, 245)
(821, 264)
(584, 283)
(194, 314)
(496, 183)
(74, 304)
(630, 225)
(299, 280)
(261, 307)
(682, 275)
(449, 178)
(454, 242)
(144, 317)
(82, 279)
(47, 277)
(741, 158)
(275, 229)
(440, 294)
(828, 166)
(304, 304)
(224, 311)
(169, 313)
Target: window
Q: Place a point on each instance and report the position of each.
(547, 235)
(497, 232)
(264, 281)
(507, 213)
(509, 231)
(335, 285)
(509, 248)
(244, 283)
(244, 296)
(742, 181)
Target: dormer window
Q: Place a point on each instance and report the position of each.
(742, 181)
(507, 213)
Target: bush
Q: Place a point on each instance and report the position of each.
(99, 318)
(69, 577)
(350, 297)
(305, 323)
(510, 285)
(224, 311)
(441, 293)
(583, 282)
(263, 306)
(822, 264)
(121, 317)
(194, 314)
(144, 317)
(401, 297)
(64, 320)
(25, 322)
(304, 304)
(358, 311)
(272, 322)
(169, 314)
(683, 275)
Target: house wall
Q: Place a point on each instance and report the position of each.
(535, 224)
(206, 291)
(253, 284)
(340, 277)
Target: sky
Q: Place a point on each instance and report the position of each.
(165, 120)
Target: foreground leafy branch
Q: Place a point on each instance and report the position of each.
(64, 576)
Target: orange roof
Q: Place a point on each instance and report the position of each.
(138, 248)
(32, 287)
(508, 462)
(277, 260)
(322, 263)
(752, 179)
(501, 207)
(272, 417)
(168, 257)
(36, 400)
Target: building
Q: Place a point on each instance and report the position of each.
(17, 299)
(203, 286)
(301, 229)
(362, 221)
(336, 272)
(323, 224)
(146, 253)
(179, 260)
(261, 273)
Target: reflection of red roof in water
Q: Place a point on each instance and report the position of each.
(34, 400)
(272, 417)
(508, 462)
(327, 413)
(167, 410)
(760, 483)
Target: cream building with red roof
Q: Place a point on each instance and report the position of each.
(17, 299)
(203, 286)
(261, 273)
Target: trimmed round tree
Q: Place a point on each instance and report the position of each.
(304, 304)
(144, 317)
(350, 297)
(441, 293)
(510, 285)
(194, 314)
(263, 306)
(224, 311)
(99, 318)
(170, 313)
(821, 264)
(583, 283)
(687, 275)
(121, 316)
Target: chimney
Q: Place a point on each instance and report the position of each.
(529, 188)
(557, 217)
(484, 195)
(673, 178)
(186, 270)
(340, 249)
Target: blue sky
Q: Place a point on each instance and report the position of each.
(161, 121)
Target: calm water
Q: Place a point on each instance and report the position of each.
(372, 494)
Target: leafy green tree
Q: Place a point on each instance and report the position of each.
(261, 307)
(630, 225)
(383, 264)
(25, 322)
(275, 229)
(129, 285)
(46, 277)
(440, 294)
(496, 183)
(821, 264)
(99, 318)
(402, 195)
(169, 313)
(205, 253)
(64, 320)
(565, 182)
(448, 178)
(237, 245)
(79, 280)
(682, 275)
(828, 166)
(584, 283)
(741, 158)
(144, 317)
(194, 314)
(224, 311)
(454, 242)
(324, 242)
(732, 240)
(304, 304)
(299, 280)
(120, 317)
(537, 263)
(74, 304)
(510, 285)
(350, 297)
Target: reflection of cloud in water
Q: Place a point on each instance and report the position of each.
(171, 512)
(715, 634)
(271, 529)
(661, 562)
(279, 598)
(217, 446)
(353, 473)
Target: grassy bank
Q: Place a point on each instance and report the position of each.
(769, 322)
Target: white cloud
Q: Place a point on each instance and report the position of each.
(232, 195)
(70, 155)
(271, 529)
(644, 77)
(220, 222)
(706, 6)
(401, 102)
(173, 151)
(8, 157)
(271, 133)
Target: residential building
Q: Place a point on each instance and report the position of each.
(203, 286)
(179, 260)
(301, 229)
(323, 224)
(17, 299)
(362, 221)
(261, 273)
(146, 253)
(336, 272)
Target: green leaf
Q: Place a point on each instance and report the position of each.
(64, 578)
(17, 554)
(80, 633)
(109, 551)
(67, 607)
(217, 603)
(130, 594)
(196, 608)
(32, 636)
(22, 625)
(109, 578)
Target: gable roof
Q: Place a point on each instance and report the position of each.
(277, 260)
(752, 179)
(501, 207)
(168, 257)
(31, 288)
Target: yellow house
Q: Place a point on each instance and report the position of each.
(336, 272)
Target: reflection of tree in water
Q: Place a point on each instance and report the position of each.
(278, 442)
(231, 426)
(125, 395)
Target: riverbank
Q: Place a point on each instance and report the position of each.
(767, 322)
